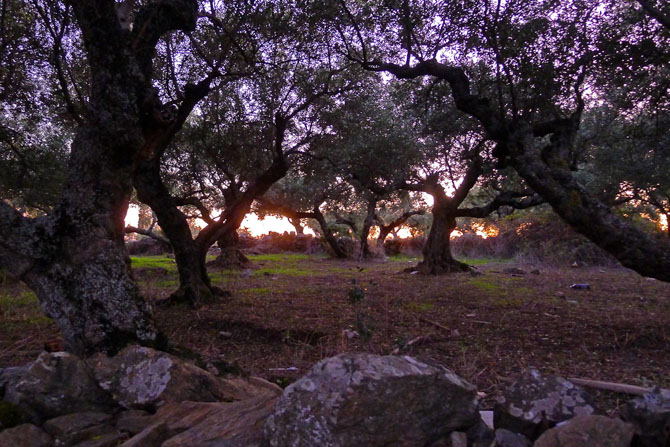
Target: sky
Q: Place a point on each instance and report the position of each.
(255, 226)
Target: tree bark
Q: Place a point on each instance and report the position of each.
(364, 251)
(633, 247)
(75, 258)
(437, 257)
(194, 284)
(299, 229)
(231, 257)
(331, 240)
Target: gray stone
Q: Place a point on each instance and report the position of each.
(506, 438)
(77, 427)
(151, 436)
(237, 424)
(458, 439)
(650, 414)
(591, 431)
(533, 404)
(172, 419)
(133, 421)
(480, 434)
(10, 375)
(368, 400)
(109, 439)
(26, 435)
(143, 378)
(55, 384)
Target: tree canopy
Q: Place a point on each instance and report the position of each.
(340, 112)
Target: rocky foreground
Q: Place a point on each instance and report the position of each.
(147, 398)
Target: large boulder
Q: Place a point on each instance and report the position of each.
(10, 375)
(591, 431)
(354, 400)
(25, 435)
(79, 427)
(650, 414)
(533, 404)
(143, 378)
(55, 384)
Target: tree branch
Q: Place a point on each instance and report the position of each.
(505, 198)
(156, 19)
(149, 233)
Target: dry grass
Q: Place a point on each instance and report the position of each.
(295, 310)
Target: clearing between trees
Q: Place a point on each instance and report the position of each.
(295, 309)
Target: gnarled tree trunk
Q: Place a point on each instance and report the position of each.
(544, 172)
(331, 240)
(365, 230)
(437, 257)
(231, 257)
(75, 258)
(194, 284)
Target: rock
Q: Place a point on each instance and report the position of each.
(10, 415)
(368, 400)
(55, 384)
(458, 439)
(533, 404)
(237, 424)
(109, 439)
(506, 438)
(650, 414)
(591, 431)
(133, 421)
(192, 424)
(26, 435)
(10, 375)
(77, 427)
(143, 378)
(152, 436)
(487, 417)
(480, 434)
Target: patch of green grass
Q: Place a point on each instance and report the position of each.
(403, 258)
(256, 290)
(485, 284)
(159, 261)
(419, 307)
(480, 261)
(280, 257)
(288, 270)
(26, 299)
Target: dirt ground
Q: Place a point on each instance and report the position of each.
(295, 309)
